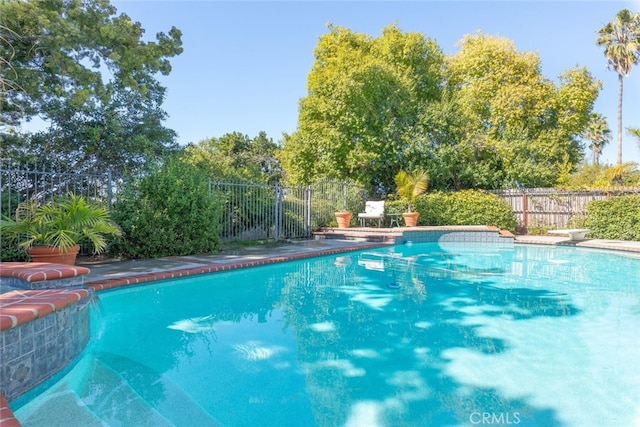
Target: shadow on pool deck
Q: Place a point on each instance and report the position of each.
(116, 269)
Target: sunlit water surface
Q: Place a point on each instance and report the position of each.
(413, 335)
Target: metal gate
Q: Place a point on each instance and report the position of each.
(260, 211)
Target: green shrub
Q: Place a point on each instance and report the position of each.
(168, 213)
(10, 251)
(293, 222)
(537, 228)
(577, 221)
(468, 207)
(395, 206)
(323, 214)
(617, 218)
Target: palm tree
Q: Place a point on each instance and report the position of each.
(635, 132)
(598, 133)
(621, 41)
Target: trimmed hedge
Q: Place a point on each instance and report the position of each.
(617, 218)
(467, 207)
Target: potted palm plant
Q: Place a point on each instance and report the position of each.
(409, 186)
(52, 232)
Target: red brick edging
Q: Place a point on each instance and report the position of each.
(7, 419)
(40, 271)
(22, 306)
(103, 285)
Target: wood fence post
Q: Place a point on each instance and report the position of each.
(525, 208)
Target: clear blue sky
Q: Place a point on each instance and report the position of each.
(245, 64)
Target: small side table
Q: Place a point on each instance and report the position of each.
(394, 218)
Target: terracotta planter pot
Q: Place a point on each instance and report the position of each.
(411, 218)
(54, 255)
(343, 218)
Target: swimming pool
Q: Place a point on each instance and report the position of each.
(414, 335)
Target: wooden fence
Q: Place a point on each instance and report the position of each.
(553, 208)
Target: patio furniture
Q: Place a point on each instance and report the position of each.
(394, 219)
(372, 210)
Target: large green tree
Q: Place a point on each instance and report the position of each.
(620, 39)
(361, 114)
(484, 117)
(514, 125)
(90, 74)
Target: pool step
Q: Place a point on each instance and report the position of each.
(106, 389)
(60, 408)
(111, 398)
(167, 398)
(92, 394)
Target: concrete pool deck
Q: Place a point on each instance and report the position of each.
(103, 272)
(109, 274)
(106, 270)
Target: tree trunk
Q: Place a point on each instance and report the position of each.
(620, 79)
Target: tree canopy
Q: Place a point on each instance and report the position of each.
(361, 114)
(89, 74)
(516, 125)
(484, 117)
(237, 156)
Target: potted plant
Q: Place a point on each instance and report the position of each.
(409, 186)
(52, 232)
(343, 217)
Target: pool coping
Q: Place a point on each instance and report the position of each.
(614, 245)
(216, 266)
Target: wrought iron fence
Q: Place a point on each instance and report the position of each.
(250, 211)
(256, 211)
(19, 184)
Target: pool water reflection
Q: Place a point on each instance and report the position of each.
(544, 336)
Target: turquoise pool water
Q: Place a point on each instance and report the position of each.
(414, 335)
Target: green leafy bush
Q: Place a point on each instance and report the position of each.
(468, 207)
(323, 213)
(10, 251)
(537, 228)
(617, 218)
(168, 213)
